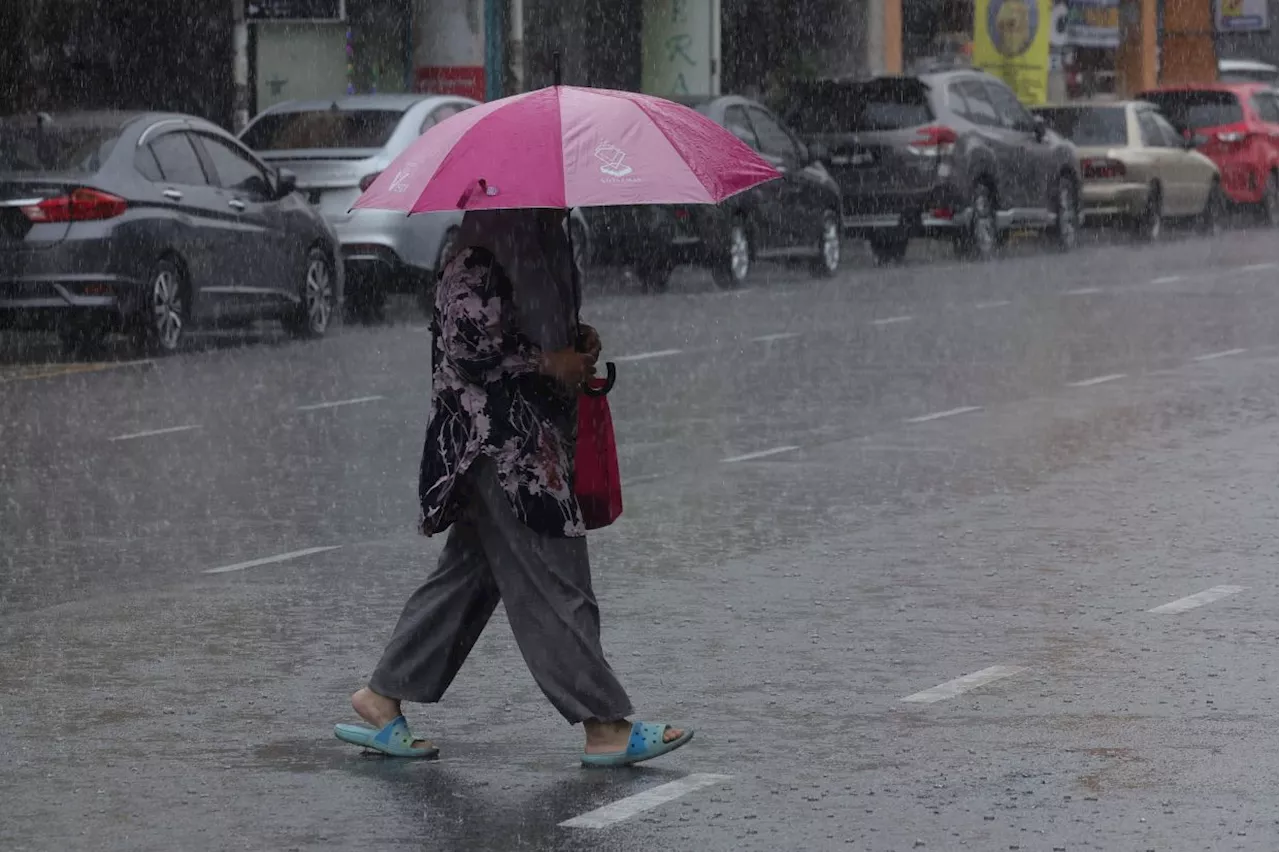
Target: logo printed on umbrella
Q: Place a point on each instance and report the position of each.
(611, 157)
(400, 183)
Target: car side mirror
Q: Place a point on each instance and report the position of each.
(1039, 127)
(286, 183)
(819, 152)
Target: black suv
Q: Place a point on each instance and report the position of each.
(951, 154)
(794, 217)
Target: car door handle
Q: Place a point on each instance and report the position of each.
(236, 204)
(172, 195)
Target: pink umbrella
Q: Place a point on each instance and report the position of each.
(565, 146)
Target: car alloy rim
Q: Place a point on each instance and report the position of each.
(831, 245)
(984, 229)
(166, 308)
(1067, 214)
(739, 253)
(1270, 200)
(319, 295)
(1153, 222)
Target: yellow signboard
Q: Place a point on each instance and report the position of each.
(1011, 41)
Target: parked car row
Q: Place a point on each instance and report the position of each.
(154, 222)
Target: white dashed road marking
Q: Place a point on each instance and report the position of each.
(1097, 380)
(151, 432)
(1258, 267)
(319, 405)
(960, 685)
(759, 454)
(639, 803)
(1167, 279)
(1198, 599)
(644, 356)
(267, 560)
(938, 415)
(1223, 354)
(769, 338)
(892, 320)
(1000, 304)
(1083, 291)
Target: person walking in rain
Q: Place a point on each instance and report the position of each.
(508, 362)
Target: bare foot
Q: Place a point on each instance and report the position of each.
(606, 737)
(379, 711)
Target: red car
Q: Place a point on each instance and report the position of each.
(1236, 128)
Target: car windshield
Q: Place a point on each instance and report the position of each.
(26, 148)
(1194, 110)
(850, 108)
(1265, 105)
(1089, 126)
(327, 128)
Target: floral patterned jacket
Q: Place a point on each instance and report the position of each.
(488, 398)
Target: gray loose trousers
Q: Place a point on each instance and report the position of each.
(545, 584)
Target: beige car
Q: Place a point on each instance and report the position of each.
(1136, 168)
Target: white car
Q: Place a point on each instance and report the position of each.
(336, 148)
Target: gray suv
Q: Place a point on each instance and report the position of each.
(950, 154)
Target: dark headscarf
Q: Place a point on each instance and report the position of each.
(532, 246)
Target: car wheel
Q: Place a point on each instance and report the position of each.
(1270, 202)
(734, 263)
(1150, 225)
(314, 312)
(980, 239)
(827, 263)
(162, 320)
(889, 248)
(655, 275)
(1066, 228)
(1209, 222)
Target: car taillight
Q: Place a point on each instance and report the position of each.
(681, 213)
(367, 181)
(79, 205)
(1101, 168)
(933, 141)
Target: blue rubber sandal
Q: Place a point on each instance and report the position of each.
(645, 744)
(395, 739)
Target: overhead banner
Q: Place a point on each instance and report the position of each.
(1093, 23)
(1240, 16)
(1011, 41)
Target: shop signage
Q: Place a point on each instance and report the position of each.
(1093, 23)
(462, 80)
(1240, 16)
(295, 10)
(1011, 41)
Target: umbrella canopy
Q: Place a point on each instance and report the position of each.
(566, 146)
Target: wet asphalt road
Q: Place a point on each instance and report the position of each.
(842, 496)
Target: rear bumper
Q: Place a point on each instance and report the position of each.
(375, 240)
(1244, 179)
(49, 301)
(1105, 200)
(937, 210)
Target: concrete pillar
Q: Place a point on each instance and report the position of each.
(1136, 57)
(1187, 51)
(680, 47)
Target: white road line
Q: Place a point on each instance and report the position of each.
(1198, 599)
(336, 403)
(769, 338)
(615, 812)
(1258, 267)
(892, 320)
(1083, 291)
(1000, 304)
(759, 454)
(1167, 279)
(644, 356)
(1097, 380)
(1223, 354)
(267, 560)
(938, 415)
(960, 685)
(151, 432)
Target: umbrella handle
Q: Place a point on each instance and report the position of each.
(610, 376)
